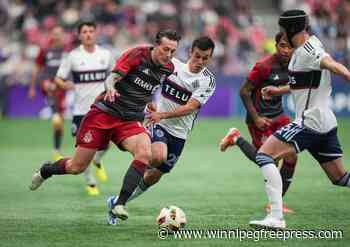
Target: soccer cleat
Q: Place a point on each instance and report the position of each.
(230, 139)
(268, 222)
(111, 218)
(37, 180)
(56, 156)
(286, 210)
(120, 212)
(101, 173)
(92, 190)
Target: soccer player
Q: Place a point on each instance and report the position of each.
(315, 125)
(47, 63)
(182, 95)
(88, 64)
(117, 114)
(265, 116)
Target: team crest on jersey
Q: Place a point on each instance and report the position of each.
(276, 77)
(102, 62)
(88, 137)
(159, 133)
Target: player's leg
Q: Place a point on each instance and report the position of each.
(55, 98)
(278, 145)
(89, 140)
(91, 185)
(139, 145)
(57, 125)
(329, 155)
(166, 150)
(258, 137)
(288, 164)
(287, 171)
(336, 172)
(97, 162)
(233, 137)
(152, 174)
(75, 165)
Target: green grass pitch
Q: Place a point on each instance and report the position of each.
(216, 190)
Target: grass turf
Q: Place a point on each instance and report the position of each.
(216, 190)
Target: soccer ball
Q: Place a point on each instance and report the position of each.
(172, 218)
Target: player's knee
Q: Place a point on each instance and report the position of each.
(263, 159)
(57, 121)
(344, 181)
(76, 168)
(144, 155)
(158, 158)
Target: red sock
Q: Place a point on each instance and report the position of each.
(139, 166)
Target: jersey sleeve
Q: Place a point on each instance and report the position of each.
(316, 57)
(128, 60)
(40, 59)
(205, 91)
(65, 67)
(258, 74)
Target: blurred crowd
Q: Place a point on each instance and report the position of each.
(330, 22)
(24, 26)
(239, 38)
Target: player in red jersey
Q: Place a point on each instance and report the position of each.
(265, 116)
(47, 63)
(117, 114)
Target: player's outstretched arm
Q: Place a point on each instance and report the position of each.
(329, 63)
(191, 106)
(110, 82)
(271, 91)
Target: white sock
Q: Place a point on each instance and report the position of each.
(273, 188)
(89, 177)
(99, 155)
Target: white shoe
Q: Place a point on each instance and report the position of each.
(268, 222)
(37, 180)
(120, 212)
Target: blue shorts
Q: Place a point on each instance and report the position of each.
(323, 147)
(175, 146)
(76, 121)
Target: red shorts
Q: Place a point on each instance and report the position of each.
(55, 96)
(259, 136)
(99, 128)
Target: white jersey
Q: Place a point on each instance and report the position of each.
(311, 87)
(177, 89)
(89, 71)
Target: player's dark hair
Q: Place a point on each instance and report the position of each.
(203, 43)
(167, 33)
(293, 21)
(86, 23)
(278, 37)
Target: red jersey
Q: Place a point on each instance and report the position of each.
(141, 78)
(268, 71)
